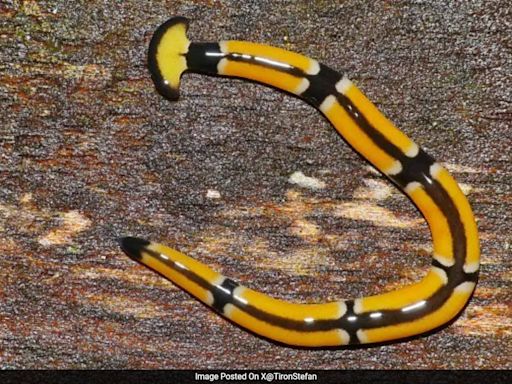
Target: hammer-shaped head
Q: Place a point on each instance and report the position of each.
(167, 56)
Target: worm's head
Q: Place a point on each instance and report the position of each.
(167, 56)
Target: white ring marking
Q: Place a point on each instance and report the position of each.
(444, 260)
(303, 85)
(361, 336)
(344, 85)
(209, 298)
(412, 151)
(466, 287)
(344, 336)
(411, 187)
(435, 169)
(395, 169)
(314, 67)
(471, 267)
(442, 274)
(221, 66)
(342, 309)
(228, 310)
(223, 45)
(237, 295)
(358, 306)
(327, 104)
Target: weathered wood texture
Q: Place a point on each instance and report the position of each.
(90, 152)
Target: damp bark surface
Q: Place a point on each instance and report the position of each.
(245, 178)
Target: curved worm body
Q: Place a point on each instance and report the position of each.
(409, 311)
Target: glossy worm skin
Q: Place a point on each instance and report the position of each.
(409, 311)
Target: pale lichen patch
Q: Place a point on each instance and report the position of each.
(213, 194)
(466, 188)
(373, 213)
(31, 8)
(304, 261)
(374, 190)
(73, 222)
(306, 230)
(133, 276)
(458, 168)
(304, 181)
(491, 319)
(141, 309)
(26, 198)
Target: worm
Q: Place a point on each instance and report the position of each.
(409, 311)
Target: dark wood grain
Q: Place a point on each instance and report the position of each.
(90, 152)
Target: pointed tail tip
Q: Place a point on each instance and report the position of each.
(133, 246)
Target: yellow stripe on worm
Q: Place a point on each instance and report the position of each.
(377, 119)
(472, 260)
(268, 57)
(450, 308)
(439, 227)
(314, 338)
(408, 311)
(356, 137)
(272, 55)
(173, 264)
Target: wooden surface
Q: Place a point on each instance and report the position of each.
(90, 152)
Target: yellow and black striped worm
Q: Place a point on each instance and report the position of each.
(412, 310)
